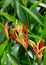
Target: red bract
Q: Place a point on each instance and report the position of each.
(14, 37)
(26, 42)
(41, 45)
(35, 50)
(39, 49)
(22, 29)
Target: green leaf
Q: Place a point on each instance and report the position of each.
(2, 34)
(35, 5)
(44, 58)
(12, 60)
(21, 14)
(45, 29)
(15, 50)
(5, 4)
(41, 4)
(7, 16)
(1, 2)
(32, 14)
(30, 54)
(2, 47)
(43, 35)
(3, 59)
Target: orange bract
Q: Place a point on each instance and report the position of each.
(6, 30)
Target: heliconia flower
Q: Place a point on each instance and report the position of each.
(41, 45)
(39, 51)
(6, 30)
(21, 39)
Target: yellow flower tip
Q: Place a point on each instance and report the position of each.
(42, 49)
(39, 57)
(32, 43)
(20, 40)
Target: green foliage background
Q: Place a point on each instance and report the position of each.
(22, 11)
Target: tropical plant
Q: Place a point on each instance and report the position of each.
(22, 32)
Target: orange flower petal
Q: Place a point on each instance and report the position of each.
(6, 30)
